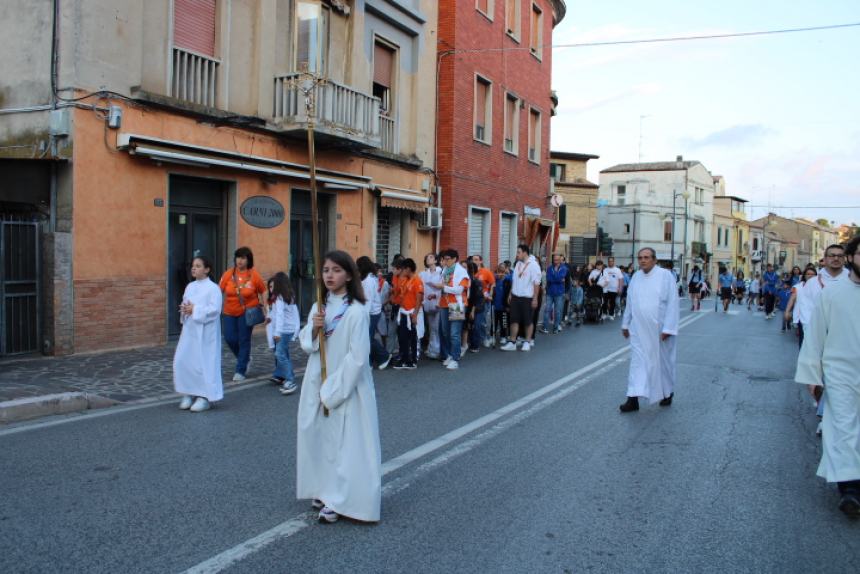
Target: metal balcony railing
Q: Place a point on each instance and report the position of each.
(194, 78)
(341, 111)
(388, 129)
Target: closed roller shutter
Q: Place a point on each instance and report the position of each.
(507, 237)
(194, 26)
(477, 228)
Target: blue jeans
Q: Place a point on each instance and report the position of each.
(378, 354)
(553, 302)
(283, 364)
(477, 334)
(237, 334)
(449, 340)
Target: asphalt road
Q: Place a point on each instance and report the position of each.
(518, 462)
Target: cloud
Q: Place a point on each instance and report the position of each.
(734, 136)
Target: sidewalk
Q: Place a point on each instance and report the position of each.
(114, 377)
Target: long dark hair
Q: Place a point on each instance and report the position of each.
(281, 287)
(365, 266)
(354, 290)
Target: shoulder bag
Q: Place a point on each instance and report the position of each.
(253, 315)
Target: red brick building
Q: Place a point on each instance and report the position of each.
(493, 134)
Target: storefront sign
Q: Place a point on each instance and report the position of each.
(261, 211)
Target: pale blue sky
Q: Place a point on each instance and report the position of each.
(778, 116)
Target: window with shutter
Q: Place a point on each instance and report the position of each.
(485, 7)
(508, 237)
(479, 233)
(534, 136)
(483, 109)
(512, 115)
(383, 74)
(536, 37)
(512, 18)
(562, 216)
(312, 32)
(194, 26)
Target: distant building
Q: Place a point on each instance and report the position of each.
(577, 217)
(638, 211)
(810, 239)
(731, 235)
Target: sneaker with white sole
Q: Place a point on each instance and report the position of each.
(327, 515)
(503, 341)
(200, 405)
(488, 343)
(288, 388)
(447, 361)
(509, 346)
(526, 346)
(453, 366)
(186, 402)
(238, 378)
(317, 504)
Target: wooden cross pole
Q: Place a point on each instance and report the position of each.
(307, 83)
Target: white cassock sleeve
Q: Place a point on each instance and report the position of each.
(672, 312)
(809, 369)
(306, 336)
(210, 310)
(341, 383)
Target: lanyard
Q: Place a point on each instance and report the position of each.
(330, 327)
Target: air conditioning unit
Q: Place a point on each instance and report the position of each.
(431, 218)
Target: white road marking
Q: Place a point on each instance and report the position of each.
(230, 557)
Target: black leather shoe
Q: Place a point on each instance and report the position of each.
(667, 401)
(631, 405)
(850, 504)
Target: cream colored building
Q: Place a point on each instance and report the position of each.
(731, 235)
(577, 217)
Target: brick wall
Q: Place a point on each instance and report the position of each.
(471, 172)
(118, 313)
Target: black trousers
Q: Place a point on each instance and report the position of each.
(408, 340)
(769, 300)
(609, 303)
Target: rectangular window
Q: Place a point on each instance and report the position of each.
(508, 237)
(194, 26)
(536, 36)
(534, 135)
(485, 7)
(384, 58)
(512, 123)
(755, 244)
(719, 235)
(562, 216)
(627, 228)
(726, 237)
(667, 231)
(312, 37)
(512, 18)
(620, 195)
(483, 109)
(700, 196)
(558, 171)
(479, 232)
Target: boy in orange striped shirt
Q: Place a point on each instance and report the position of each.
(411, 297)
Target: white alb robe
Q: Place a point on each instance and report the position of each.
(197, 362)
(829, 357)
(652, 309)
(339, 459)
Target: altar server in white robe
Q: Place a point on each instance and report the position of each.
(339, 460)
(829, 357)
(197, 362)
(651, 324)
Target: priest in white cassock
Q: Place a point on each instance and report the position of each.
(197, 362)
(339, 459)
(651, 324)
(829, 357)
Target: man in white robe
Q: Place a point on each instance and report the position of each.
(829, 357)
(651, 324)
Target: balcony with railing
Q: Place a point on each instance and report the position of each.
(194, 78)
(342, 113)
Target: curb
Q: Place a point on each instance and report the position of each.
(62, 403)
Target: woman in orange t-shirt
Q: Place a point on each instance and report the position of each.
(241, 278)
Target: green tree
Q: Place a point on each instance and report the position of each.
(822, 222)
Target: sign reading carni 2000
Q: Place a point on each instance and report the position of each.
(262, 211)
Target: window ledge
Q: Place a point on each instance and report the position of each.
(537, 55)
(512, 36)
(512, 153)
(484, 14)
(485, 142)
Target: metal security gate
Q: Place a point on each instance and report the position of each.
(19, 287)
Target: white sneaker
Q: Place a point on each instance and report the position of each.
(509, 346)
(447, 361)
(503, 341)
(488, 343)
(384, 364)
(453, 366)
(327, 515)
(200, 405)
(238, 378)
(186, 402)
(526, 346)
(612, 317)
(317, 504)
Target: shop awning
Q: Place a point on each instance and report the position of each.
(401, 198)
(188, 154)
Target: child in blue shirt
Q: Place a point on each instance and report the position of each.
(783, 295)
(577, 296)
(500, 302)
